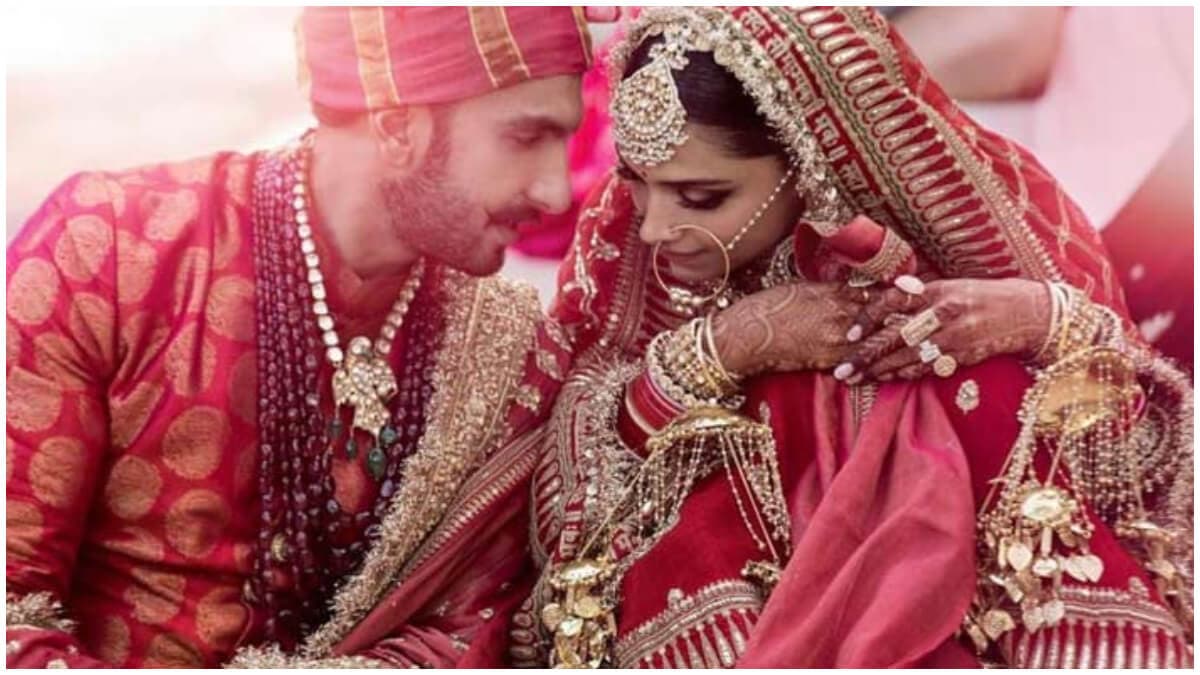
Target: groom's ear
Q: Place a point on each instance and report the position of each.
(403, 135)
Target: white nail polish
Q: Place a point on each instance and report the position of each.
(855, 333)
(910, 284)
(843, 371)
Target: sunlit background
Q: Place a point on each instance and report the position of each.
(109, 88)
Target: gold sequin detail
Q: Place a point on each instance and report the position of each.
(23, 529)
(132, 488)
(243, 388)
(190, 366)
(196, 521)
(32, 291)
(33, 401)
(83, 247)
(155, 596)
(136, 264)
(230, 309)
(195, 442)
(131, 412)
(220, 617)
(57, 471)
(169, 213)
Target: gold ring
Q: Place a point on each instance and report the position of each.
(676, 292)
(945, 365)
(920, 327)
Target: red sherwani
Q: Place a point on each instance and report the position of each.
(132, 461)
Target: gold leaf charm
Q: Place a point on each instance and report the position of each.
(1092, 566)
(552, 616)
(997, 622)
(1019, 556)
(1053, 612)
(1074, 567)
(1033, 618)
(1045, 567)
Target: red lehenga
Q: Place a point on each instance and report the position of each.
(875, 503)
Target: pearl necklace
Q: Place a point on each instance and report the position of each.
(362, 378)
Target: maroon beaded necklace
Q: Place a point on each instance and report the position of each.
(308, 544)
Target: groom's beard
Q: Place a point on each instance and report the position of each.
(432, 215)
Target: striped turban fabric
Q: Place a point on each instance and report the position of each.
(367, 58)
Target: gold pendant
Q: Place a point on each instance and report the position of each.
(582, 622)
(365, 383)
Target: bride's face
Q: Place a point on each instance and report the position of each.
(706, 186)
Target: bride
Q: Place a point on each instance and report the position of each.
(852, 383)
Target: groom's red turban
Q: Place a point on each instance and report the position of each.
(366, 58)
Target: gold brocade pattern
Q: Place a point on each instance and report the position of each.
(33, 402)
(195, 442)
(91, 320)
(112, 644)
(169, 213)
(57, 471)
(190, 366)
(196, 522)
(82, 249)
(95, 190)
(135, 273)
(56, 358)
(478, 367)
(23, 525)
(137, 543)
(230, 309)
(191, 281)
(131, 412)
(220, 616)
(229, 238)
(132, 488)
(169, 650)
(154, 596)
(32, 292)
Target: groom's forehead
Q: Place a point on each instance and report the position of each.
(548, 105)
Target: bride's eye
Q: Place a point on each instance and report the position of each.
(702, 200)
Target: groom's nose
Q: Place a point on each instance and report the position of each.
(550, 190)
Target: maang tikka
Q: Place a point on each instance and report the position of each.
(649, 117)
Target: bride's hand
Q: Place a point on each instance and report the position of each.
(794, 326)
(979, 318)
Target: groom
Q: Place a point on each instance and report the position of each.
(251, 394)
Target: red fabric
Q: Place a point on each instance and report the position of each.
(424, 55)
(131, 492)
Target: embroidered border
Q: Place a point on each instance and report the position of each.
(692, 613)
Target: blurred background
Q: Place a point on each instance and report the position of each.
(1102, 95)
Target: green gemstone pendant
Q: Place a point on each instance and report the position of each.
(376, 462)
(388, 436)
(351, 449)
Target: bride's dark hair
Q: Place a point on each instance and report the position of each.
(713, 97)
